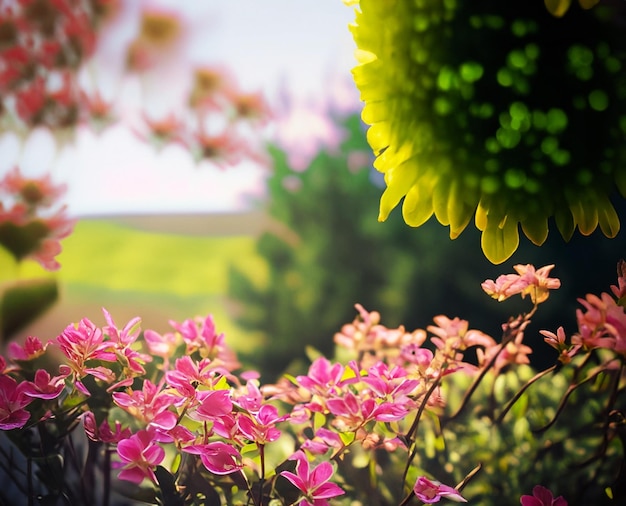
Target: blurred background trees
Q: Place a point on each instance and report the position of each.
(326, 252)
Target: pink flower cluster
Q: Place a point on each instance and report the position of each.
(601, 323)
(179, 393)
(43, 44)
(31, 222)
(527, 281)
(197, 405)
(215, 98)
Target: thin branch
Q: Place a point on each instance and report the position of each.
(516, 397)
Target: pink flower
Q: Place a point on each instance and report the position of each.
(504, 286)
(140, 455)
(557, 341)
(218, 457)
(252, 399)
(84, 342)
(527, 281)
(104, 433)
(322, 441)
(325, 378)
(313, 483)
(44, 386)
(353, 411)
(429, 491)
(200, 335)
(13, 400)
(413, 353)
(127, 335)
(161, 345)
(81, 344)
(602, 325)
(542, 497)
(131, 360)
(150, 405)
(32, 348)
(260, 428)
(454, 334)
(28, 233)
(214, 405)
(391, 384)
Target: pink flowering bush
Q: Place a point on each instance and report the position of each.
(103, 413)
(32, 220)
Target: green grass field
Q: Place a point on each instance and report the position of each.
(155, 275)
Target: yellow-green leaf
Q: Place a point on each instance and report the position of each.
(557, 7)
(536, 229)
(499, 241)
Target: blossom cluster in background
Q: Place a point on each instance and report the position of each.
(32, 220)
(51, 68)
(42, 46)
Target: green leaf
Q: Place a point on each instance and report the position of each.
(499, 241)
(167, 484)
(21, 241)
(23, 301)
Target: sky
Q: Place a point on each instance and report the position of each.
(299, 53)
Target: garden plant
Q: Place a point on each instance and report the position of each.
(367, 413)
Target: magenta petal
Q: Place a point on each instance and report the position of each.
(295, 480)
(154, 455)
(129, 450)
(529, 500)
(321, 473)
(165, 420)
(327, 490)
(133, 474)
(15, 420)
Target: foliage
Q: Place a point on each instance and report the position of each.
(500, 136)
(323, 252)
(32, 223)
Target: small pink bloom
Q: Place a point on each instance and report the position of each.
(83, 343)
(127, 335)
(44, 386)
(13, 400)
(218, 457)
(527, 281)
(31, 349)
(150, 405)
(455, 335)
(251, 399)
(313, 483)
(504, 286)
(104, 433)
(391, 384)
(557, 341)
(140, 455)
(542, 497)
(325, 378)
(413, 353)
(323, 440)
(353, 411)
(429, 491)
(161, 345)
(200, 335)
(214, 405)
(260, 428)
